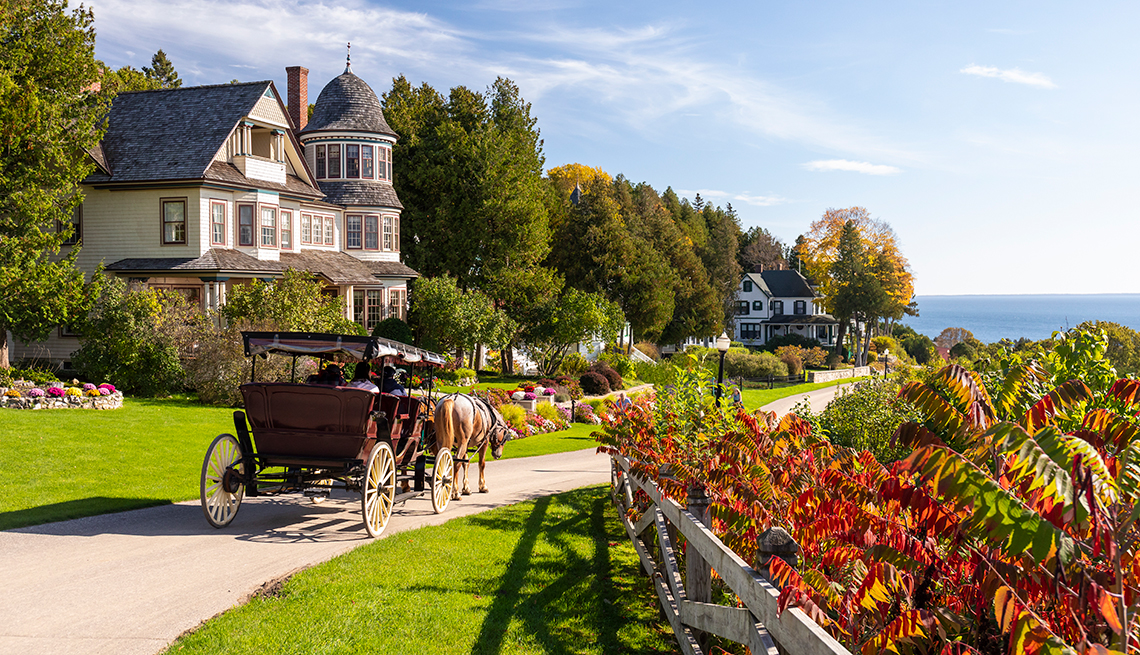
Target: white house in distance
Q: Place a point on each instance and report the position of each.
(198, 189)
(775, 303)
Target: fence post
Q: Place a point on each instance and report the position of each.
(775, 542)
(698, 573)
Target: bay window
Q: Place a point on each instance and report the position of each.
(269, 227)
(307, 228)
(328, 230)
(245, 225)
(352, 231)
(371, 232)
(286, 230)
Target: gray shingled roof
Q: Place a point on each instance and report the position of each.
(335, 266)
(392, 269)
(348, 103)
(214, 260)
(226, 172)
(172, 134)
(785, 284)
(360, 193)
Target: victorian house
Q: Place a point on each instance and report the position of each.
(199, 189)
(776, 303)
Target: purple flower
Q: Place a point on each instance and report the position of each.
(109, 387)
(55, 392)
(104, 391)
(88, 387)
(528, 396)
(35, 393)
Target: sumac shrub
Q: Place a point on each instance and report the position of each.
(594, 384)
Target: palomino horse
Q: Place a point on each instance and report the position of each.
(465, 422)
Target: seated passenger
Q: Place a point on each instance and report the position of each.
(360, 378)
(390, 384)
(329, 377)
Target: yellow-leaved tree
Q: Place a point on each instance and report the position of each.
(858, 268)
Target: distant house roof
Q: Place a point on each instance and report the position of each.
(336, 267)
(782, 284)
(173, 134)
(347, 103)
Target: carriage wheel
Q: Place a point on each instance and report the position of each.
(379, 489)
(222, 485)
(442, 480)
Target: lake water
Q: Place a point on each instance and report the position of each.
(992, 318)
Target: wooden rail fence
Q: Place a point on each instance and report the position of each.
(687, 603)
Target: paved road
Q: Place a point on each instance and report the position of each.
(132, 582)
(817, 399)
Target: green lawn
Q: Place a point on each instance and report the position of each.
(66, 463)
(575, 438)
(553, 575)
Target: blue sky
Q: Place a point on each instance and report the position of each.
(998, 139)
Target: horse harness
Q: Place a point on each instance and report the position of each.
(482, 406)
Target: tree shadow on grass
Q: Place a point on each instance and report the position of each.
(74, 509)
(563, 601)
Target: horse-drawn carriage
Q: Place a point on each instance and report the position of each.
(313, 439)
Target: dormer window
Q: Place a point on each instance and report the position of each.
(747, 286)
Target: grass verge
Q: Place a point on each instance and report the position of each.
(554, 575)
(757, 398)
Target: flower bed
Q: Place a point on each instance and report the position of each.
(56, 395)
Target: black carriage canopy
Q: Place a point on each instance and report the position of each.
(354, 346)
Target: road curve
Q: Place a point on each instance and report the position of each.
(130, 583)
(817, 399)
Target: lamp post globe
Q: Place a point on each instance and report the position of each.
(722, 344)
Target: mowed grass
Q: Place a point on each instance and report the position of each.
(577, 437)
(67, 463)
(554, 575)
(757, 398)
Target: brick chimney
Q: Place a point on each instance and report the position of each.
(298, 90)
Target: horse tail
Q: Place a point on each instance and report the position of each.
(445, 424)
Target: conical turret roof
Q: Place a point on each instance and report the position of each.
(347, 103)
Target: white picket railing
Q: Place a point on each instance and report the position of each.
(756, 625)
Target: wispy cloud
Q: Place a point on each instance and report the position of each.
(867, 168)
(1015, 75)
(646, 77)
(760, 201)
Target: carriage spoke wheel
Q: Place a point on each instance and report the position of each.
(442, 480)
(379, 489)
(222, 485)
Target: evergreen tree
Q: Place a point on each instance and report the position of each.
(162, 72)
(50, 116)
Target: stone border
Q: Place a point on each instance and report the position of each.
(113, 401)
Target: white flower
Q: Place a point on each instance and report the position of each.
(518, 395)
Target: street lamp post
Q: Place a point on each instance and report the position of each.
(722, 343)
(886, 362)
